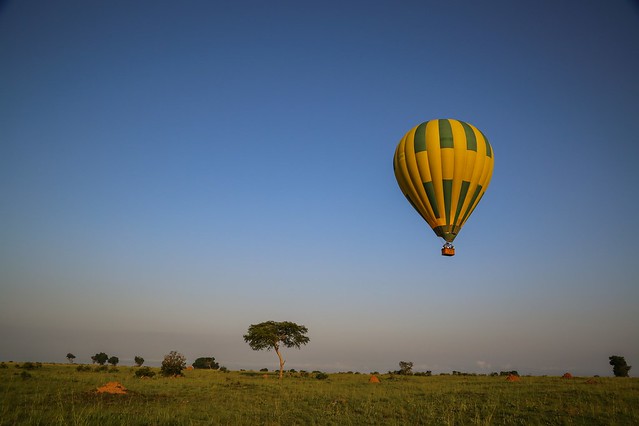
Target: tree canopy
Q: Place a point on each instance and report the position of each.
(206, 363)
(619, 366)
(405, 368)
(100, 358)
(173, 364)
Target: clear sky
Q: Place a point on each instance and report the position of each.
(172, 172)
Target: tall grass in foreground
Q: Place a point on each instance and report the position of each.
(59, 394)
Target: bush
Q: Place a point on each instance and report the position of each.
(223, 369)
(138, 361)
(144, 372)
(265, 370)
(173, 364)
(83, 368)
(101, 368)
(29, 365)
(206, 363)
(25, 375)
(3, 365)
(321, 376)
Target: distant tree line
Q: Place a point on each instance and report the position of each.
(102, 358)
(274, 335)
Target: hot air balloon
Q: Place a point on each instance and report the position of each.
(443, 167)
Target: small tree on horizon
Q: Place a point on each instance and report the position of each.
(173, 364)
(70, 357)
(138, 361)
(206, 363)
(100, 358)
(405, 368)
(271, 335)
(114, 360)
(619, 366)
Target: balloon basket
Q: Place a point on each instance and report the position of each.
(448, 250)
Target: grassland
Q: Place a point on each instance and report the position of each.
(61, 395)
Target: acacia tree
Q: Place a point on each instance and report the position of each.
(271, 335)
(70, 357)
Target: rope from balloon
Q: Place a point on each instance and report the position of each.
(448, 249)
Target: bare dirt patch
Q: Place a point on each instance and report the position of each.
(112, 388)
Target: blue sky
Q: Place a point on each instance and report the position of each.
(172, 172)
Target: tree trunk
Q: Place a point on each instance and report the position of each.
(282, 361)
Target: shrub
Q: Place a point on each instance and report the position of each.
(3, 365)
(265, 370)
(144, 372)
(25, 375)
(83, 368)
(101, 368)
(223, 369)
(321, 376)
(29, 365)
(173, 364)
(206, 363)
(138, 361)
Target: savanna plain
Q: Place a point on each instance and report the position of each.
(57, 394)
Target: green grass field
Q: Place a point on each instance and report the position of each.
(59, 394)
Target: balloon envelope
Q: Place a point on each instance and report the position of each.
(443, 167)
